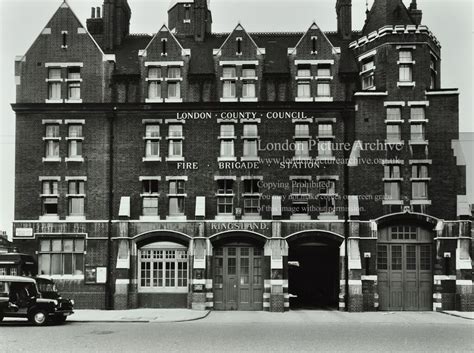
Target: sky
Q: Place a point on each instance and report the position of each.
(21, 21)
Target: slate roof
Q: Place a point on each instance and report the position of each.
(202, 61)
(386, 12)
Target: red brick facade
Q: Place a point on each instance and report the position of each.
(347, 88)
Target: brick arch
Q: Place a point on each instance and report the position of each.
(317, 235)
(161, 235)
(230, 236)
(420, 219)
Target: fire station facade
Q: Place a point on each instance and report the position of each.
(242, 171)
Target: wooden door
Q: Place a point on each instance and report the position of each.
(238, 280)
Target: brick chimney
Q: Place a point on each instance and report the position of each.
(416, 15)
(110, 30)
(344, 18)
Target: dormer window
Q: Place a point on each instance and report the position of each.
(154, 83)
(54, 84)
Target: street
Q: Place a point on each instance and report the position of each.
(296, 331)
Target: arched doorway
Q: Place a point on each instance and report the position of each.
(314, 269)
(405, 262)
(238, 270)
(162, 269)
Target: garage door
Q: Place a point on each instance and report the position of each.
(404, 276)
(238, 278)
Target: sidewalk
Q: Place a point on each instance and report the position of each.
(137, 315)
(464, 314)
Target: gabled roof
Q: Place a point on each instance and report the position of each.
(386, 12)
(313, 29)
(238, 28)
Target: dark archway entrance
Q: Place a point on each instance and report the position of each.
(313, 270)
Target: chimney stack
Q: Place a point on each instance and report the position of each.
(98, 12)
(344, 18)
(93, 12)
(416, 15)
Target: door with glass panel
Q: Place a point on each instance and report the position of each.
(238, 280)
(404, 271)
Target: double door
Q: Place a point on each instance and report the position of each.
(404, 276)
(238, 278)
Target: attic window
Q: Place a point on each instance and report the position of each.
(313, 43)
(163, 47)
(187, 14)
(239, 46)
(64, 35)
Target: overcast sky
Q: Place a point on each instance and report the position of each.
(21, 21)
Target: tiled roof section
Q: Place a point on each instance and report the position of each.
(202, 61)
(386, 12)
(127, 55)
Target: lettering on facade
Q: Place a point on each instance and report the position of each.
(253, 226)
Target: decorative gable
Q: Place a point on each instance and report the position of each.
(164, 46)
(239, 45)
(314, 45)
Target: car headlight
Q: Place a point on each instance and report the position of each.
(55, 302)
(72, 302)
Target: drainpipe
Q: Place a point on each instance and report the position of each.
(346, 210)
(109, 285)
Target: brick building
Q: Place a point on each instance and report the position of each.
(242, 171)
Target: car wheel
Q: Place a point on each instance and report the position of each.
(39, 318)
(60, 319)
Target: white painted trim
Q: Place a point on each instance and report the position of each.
(225, 177)
(47, 178)
(369, 278)
(238, 62)
(464, 282)
(370, 93)
(51, 121)
(122, 281)
(367, 55)
(444, 277)
(355, 282)
(79, 178)
(420, 161)
(109, 57)
(153, 100)
(74, 121)
(180, 177)
(152, 121)
(416, 103)
(406, 84)
(64, 64)
(393, 103)
(143, 178)
(151, 159)
(442, 93)
(164, 63)
(74, 159)
(314, 62)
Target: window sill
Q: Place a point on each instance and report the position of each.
(324, 78)
(173, 100)
(393, 121)
(250, 217)
(227, 159)
(234, 99)
(75, 218)
(174, 159)
(225, 218)
(324, 99)
(177, 218)
(151, 159)
(52, 138)
(418, 121)
(78, 138)
(173, 79)
(249, 99)
(227, 138)
(154, 100)
(328, 217)
(420, 179)
(51, 160)
(73, 101)
(392, 202)
(150, 218)
(420, 202)
(304, 99)
(392, 179)
(74, 159)
(54, 101)
(249, 78)
(414, 142)
(49, 218)
(302, 78)
(406, 84)
(250, 159)
(300, 217)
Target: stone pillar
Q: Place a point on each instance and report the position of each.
(275, 296)
(122, 268)
(355, 299)
(199, 282)
(464, 285)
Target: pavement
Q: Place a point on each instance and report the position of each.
(181, 315)
(137, 315)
